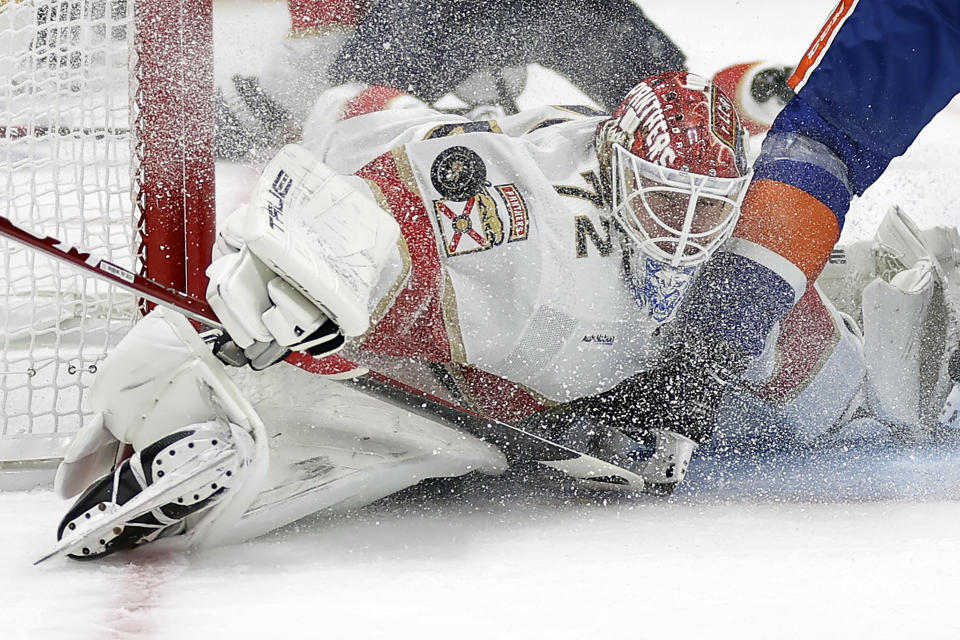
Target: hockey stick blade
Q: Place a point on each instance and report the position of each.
(150, 498)
(516, 443)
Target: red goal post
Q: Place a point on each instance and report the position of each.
(106, 142)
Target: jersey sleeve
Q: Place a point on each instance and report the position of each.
(879, 71)
(352, 124)
(421, 318)
(418, 320)
(875, 76)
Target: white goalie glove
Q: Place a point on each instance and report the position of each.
(303, 263)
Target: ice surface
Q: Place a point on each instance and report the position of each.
(765, 545)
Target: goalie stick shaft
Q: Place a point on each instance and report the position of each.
(144, 287)
(516, 444)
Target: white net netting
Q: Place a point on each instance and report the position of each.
(65, 171)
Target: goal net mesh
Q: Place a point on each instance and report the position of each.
(72, 167)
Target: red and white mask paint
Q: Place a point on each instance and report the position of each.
(678, 170)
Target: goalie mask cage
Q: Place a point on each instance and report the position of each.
(106, 143)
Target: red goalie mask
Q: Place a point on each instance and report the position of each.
(674, 150)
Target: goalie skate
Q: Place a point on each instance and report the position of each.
(151, 494)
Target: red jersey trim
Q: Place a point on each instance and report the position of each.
(415, 326)
(370, 100)
(309, 16)
(808, 336)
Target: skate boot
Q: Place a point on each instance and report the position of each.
(659, 456)
(151, 494)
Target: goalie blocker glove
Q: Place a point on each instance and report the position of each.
(303, 264)
(288, 320)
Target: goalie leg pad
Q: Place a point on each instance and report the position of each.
(160, 379)
(903, 352)
(910, 322)
(175, 460)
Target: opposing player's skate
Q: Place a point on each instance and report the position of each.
(614, 426)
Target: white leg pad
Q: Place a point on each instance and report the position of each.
(90, 455)
(334, 448)
(893, 321)
(160, 379)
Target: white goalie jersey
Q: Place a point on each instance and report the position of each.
(516, 290)
(515, 264)
(517, 268)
